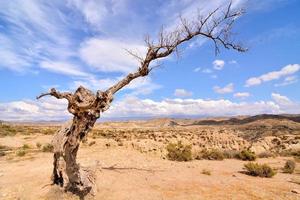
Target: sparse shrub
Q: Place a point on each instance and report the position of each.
(48, 131)
(179, 152)
(261, 170)
(213, 154)
(92, 143)
(229, 154)
(3, 150)
(266, 154)
(38, 145)
(206, 172)
(295, 153)
(25, 146)
(289, 167)
(21, 153)
(246, 155)
(47, 148)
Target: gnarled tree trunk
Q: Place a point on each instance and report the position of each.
(66, 172)
(87, 106)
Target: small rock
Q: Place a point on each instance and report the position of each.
(295, 191)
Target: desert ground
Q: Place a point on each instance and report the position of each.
(130, 159)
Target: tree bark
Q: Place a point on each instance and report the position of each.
(66, 172)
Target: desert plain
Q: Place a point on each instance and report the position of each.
(130, 159)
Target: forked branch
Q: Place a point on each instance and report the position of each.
(216, 26)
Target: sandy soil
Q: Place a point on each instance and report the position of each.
(125, 173)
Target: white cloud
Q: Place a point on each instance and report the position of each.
(97, 12)
(286, 105)
(242, 95)
(53, 109)
(28, 110)
(63, 68)
(274, 75)
(227, 89)
(109, 55)
(287, 81)
(32, 36)
(182, 93)
(135, 107)
(94, 12)
(280, 99)
(218, 64)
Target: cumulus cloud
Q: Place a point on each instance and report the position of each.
(286, 105)
(135, 107)
(109, 55)
(28, 110)
(274, 75)
(182, 93)
(225, 90)
(280, 99)
(218, 64)
(242, 95)
(130, 106)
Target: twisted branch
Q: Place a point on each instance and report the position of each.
(217, 29)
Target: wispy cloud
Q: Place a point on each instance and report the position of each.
(242, 95)
(274, 75)
(63, 68)
(287, 81)
(225, 90)
(182, 93)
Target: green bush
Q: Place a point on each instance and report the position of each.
(213, 154)
(289, 167)
(246, 155)
(261, 170)
(47, 148)
(179, 152)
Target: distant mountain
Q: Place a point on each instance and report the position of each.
(239, 121)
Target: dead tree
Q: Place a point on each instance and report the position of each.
(87, 106)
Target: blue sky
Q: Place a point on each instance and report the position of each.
(64, 44)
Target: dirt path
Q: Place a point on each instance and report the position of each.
(128, 174)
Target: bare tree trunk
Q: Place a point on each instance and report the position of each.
(66, 172)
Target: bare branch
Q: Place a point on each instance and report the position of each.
(58, 95)
(215, 26)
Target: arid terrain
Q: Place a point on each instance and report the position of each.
(131, 159)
